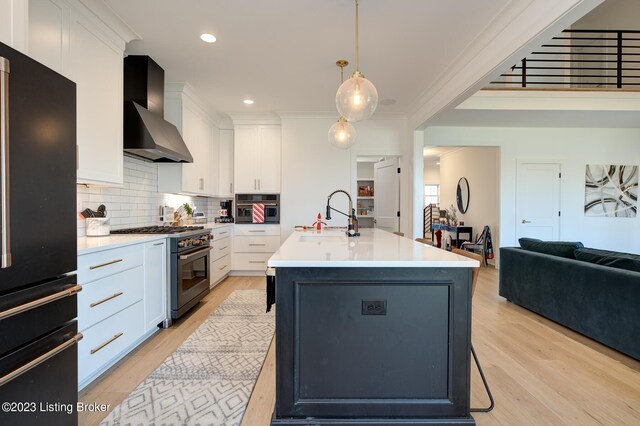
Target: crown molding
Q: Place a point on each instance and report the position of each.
(265, 118)
(311, 115)
(111, 19)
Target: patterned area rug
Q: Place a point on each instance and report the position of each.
(208, 380)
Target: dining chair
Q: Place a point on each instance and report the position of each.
(475, 273)
(479, 245)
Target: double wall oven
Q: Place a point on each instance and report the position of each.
(246, 202)
(189, 262)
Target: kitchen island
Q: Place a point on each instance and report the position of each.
(371, 330)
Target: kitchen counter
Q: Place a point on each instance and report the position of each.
(88, 245)
(371, 330)
(373, 248)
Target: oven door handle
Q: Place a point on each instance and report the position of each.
(195, 253)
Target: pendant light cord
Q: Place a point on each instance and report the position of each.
(357, 43)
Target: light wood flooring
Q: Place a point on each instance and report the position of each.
(540, 373)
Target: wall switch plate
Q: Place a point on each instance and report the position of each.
(374, 307)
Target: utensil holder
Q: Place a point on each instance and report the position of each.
(97, 226)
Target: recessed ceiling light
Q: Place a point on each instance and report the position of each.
(208, 38)
(248, 101)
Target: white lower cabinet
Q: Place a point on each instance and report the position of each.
(253, 245)
(155, 284)
(220, 253)
(123, 299)
(108, 341)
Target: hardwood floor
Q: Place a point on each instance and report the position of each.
(540, 372)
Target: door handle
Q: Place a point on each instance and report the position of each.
(526, 221)
(195, 253)
(40, 302)
(255, 184)
(258, 184)
(42, 358)
(5, 243)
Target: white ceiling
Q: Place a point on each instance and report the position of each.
(282, 53)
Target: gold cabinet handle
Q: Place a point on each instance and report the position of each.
(223, 267)
(256, 261)
(526, 221)
(256, 244)
(106, 299)
(113, 339)
(257, 230)
(101, 265)
(159, 244)
(222, 248)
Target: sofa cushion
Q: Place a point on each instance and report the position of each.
(554, 248)
(630, 262)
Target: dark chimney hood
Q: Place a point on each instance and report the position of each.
(146, 133)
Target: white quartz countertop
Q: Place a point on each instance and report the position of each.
(92, 244)
(88, 245)
(374, 248)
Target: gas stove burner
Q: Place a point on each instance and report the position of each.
(158, 230)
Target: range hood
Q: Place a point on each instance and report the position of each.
(146, 133)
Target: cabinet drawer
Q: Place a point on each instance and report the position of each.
(256, 229)
(220, 268)
(106, 340)
(257, 244)
(219, 233)
(250, 261)
(104, 297)
(220, 248)
(94, 266)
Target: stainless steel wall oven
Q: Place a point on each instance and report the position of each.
(245, 203)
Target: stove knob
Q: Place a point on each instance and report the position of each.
(181, 243)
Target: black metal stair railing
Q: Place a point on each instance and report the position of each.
(608, 59)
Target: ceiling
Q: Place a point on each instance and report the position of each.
(282, 53)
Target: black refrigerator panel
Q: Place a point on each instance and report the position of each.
(41, 108)
(38, 383)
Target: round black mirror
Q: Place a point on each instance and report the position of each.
(462, 195)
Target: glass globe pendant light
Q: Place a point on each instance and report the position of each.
(357, 98)
(342, 134)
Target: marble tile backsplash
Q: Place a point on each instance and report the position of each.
(137, 202)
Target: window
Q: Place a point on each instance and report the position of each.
(431, 194)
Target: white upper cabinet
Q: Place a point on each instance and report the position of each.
(226, 163)
(14, 23)
(71, 39)
(201, 137)
(257, 159)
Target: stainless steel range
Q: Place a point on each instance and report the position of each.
(189, 263)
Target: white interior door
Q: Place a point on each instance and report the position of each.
(386, 202)
(538, 201)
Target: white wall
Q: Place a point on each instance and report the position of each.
(573, 149)
(312, 168)
(481, 167)
(431, 174)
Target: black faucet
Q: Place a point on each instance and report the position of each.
(352, 230)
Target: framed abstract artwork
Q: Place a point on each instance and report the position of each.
(611, 191)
